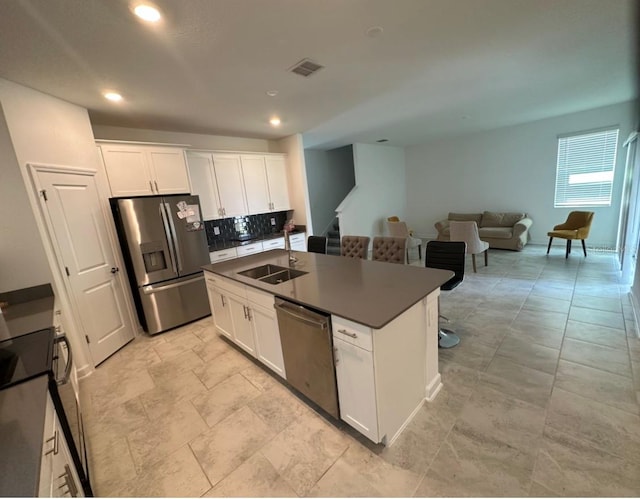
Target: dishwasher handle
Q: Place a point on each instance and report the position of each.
(298, 312)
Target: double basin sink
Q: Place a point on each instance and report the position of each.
(272, 274)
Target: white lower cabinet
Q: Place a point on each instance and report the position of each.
(357, 390)
(58, 475)
(298, 242)
(269, 244)
(267, 333)
(223, 255)
(221, 311)
(242, 327)
(249, 249)
(246, 316)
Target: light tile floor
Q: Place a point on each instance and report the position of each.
(540, 398)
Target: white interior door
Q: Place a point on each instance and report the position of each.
(77, 223)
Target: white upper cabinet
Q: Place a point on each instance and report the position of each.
(228, 171)
(233, 185)
(204, 184)
(141, 170)
(168, 170)
(276, 167)
(255, 184)
(265, 180)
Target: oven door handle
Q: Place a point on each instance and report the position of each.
(67, 370)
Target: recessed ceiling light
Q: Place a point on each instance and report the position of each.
(275, 121)
(112, 96)
(272, 93)
(147, 13)
(374, 31)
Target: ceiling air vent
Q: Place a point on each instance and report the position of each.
(305, 68)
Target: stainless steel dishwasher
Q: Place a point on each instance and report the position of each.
(307, 350)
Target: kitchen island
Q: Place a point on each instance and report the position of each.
(384, 323)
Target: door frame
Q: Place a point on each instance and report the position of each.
(62, 285)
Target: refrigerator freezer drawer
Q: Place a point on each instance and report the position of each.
(173, 303)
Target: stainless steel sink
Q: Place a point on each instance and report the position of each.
(272, 274)
(261, 271)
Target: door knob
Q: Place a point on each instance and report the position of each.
(114, 270)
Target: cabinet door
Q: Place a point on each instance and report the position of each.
(267, 335)
(127, 170)
(298, 242)
(221, 312)
(255, 184)
(356, 388)
(66, 482)
(230, 184)
(169, 171)
(278, 184)
(45, 485)
(203, 184)
(270, 244)
(242, 328)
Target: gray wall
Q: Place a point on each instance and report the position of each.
(509, 169)
(23, 262)
(330, 177)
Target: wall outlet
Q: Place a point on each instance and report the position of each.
(273, 221)
(216, 231)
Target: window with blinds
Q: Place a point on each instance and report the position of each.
(585, 168)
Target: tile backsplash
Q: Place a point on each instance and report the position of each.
(245, 227)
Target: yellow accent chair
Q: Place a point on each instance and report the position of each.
(576, 226)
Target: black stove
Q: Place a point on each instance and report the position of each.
(26, 357)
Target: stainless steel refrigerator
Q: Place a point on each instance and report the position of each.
(164, 247)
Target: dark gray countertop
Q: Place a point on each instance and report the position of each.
(26, 310)
(22, 407)
(22, 412)
(367, 292)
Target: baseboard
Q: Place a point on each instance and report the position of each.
(635, 307)
(84, 371)
(433, 388)
(389, 443)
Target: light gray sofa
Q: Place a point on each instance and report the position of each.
(503, 230)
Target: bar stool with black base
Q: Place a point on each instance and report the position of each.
(447, 255)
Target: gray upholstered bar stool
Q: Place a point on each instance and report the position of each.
(389, 249)
(354, 246)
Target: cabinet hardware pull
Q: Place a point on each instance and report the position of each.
(335, 356)
(73, 488)
(54, 449)
(114, 270)
(222, 299)
(151, 186)
(156, 184)
(347, 333)
(248, 314)
(244, 308)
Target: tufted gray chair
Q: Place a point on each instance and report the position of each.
(389, 249)
(354, 246)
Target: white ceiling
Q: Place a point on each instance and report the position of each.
(440, 67)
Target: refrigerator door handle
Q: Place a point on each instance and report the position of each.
(167, 231)
(154, 288)
(174, 236)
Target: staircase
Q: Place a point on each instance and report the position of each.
(333, 239)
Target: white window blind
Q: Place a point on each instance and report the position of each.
(585, 168)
